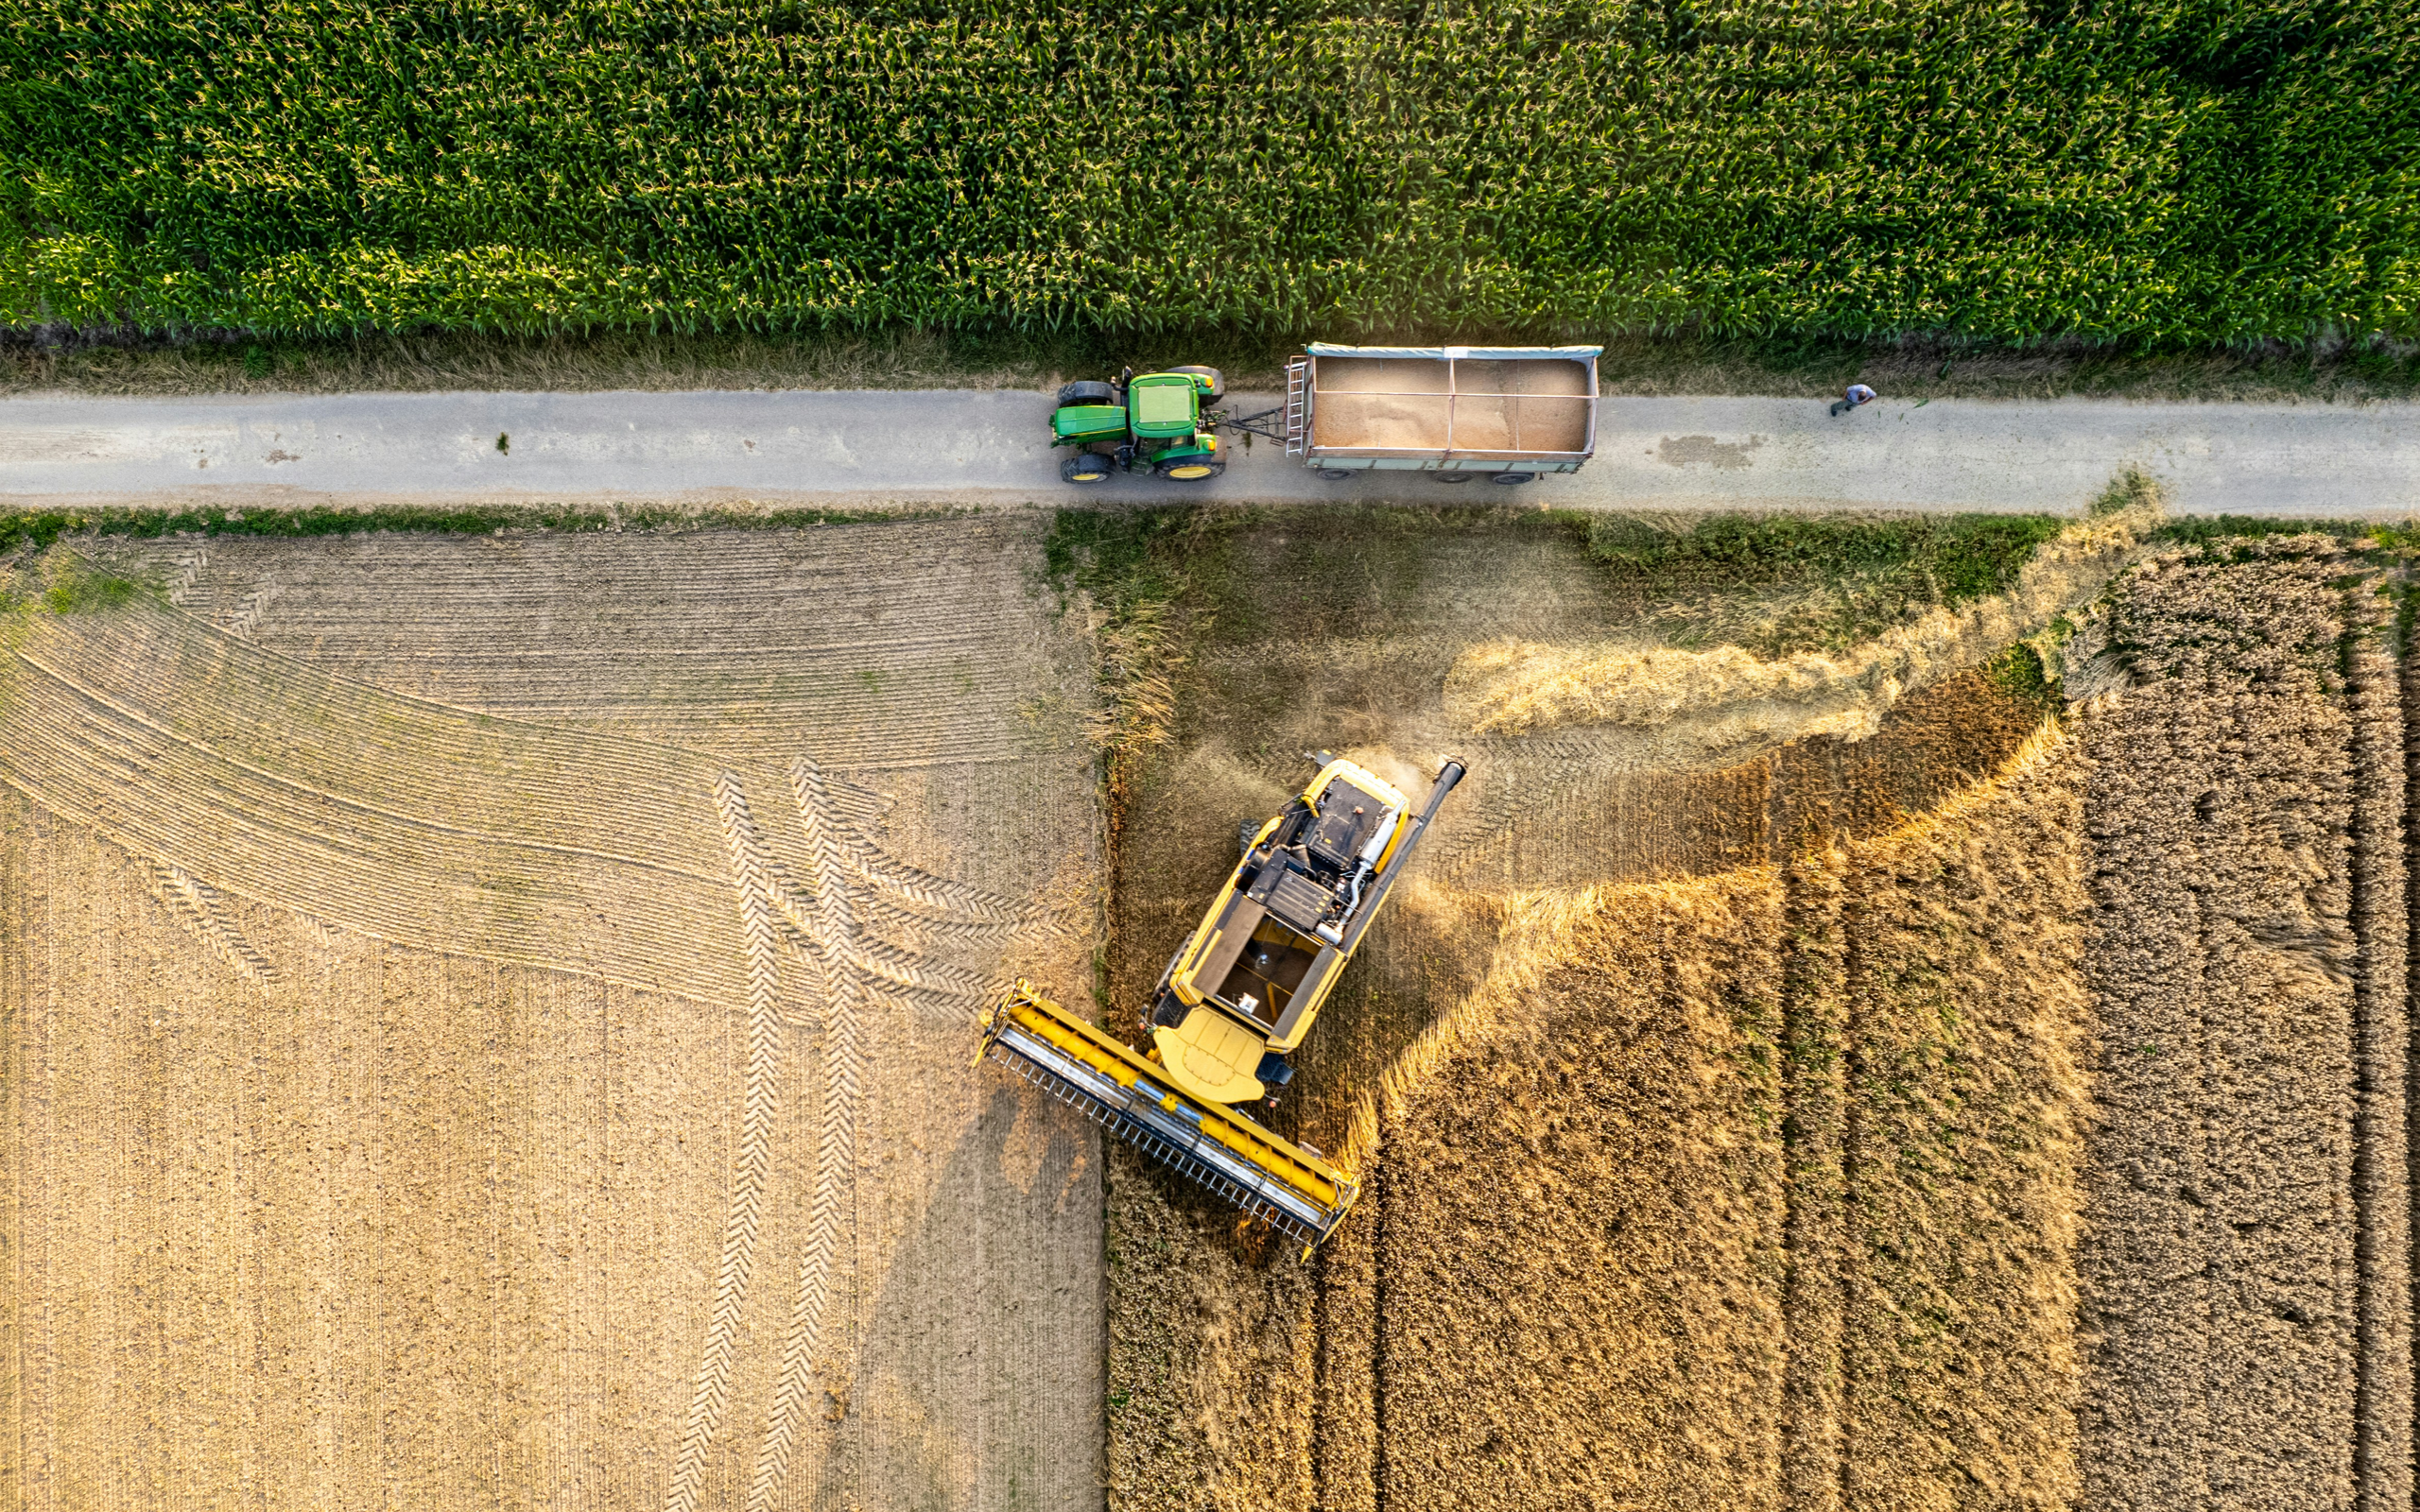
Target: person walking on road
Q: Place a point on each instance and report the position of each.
(1858, 394)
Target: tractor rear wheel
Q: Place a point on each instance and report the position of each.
(1217, 381)
(1191, 469)
(1087, 393)
(1085, 467)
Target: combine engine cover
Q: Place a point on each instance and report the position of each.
(1239, 995)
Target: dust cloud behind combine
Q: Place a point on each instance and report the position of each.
(487, 1025)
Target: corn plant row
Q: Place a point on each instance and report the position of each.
(2152, 171)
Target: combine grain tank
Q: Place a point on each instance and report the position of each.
(1503, 412)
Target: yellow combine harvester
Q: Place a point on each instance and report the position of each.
(1239, 996)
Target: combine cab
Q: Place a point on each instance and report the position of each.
(1158, 424)
(1238, 998)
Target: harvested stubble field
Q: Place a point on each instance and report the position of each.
(486, 1024)
(2002, 1108)
(486, 1017)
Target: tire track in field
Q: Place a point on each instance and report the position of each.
(819, 915)
(835, 916)
(198, 910)
(750, 867)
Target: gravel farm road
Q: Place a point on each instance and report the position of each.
(801, 448)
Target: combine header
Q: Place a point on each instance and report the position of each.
(1238, 998)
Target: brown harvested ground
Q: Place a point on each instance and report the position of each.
(2244, 1246)
(1687, 705)
(486, 1022)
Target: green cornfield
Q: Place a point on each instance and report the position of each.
(2148, 172)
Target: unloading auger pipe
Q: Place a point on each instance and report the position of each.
(1447, 775)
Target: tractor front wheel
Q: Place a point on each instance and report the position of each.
(1191, 469)
(1085, 467)
(1087, 393)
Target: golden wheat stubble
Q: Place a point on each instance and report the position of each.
(1581, 1254)
(406, 1224)
(1965, 1104)
(2218, 1274)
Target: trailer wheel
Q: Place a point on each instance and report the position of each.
(1335, 475)
(1454, 477)
(1085, 467)
(1087, 393)
(1512, 479)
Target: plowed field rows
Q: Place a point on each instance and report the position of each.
(486, 1025)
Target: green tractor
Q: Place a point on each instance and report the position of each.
(1159, 424)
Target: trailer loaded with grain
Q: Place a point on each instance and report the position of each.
(1503, 412)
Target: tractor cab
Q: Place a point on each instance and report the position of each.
(1157, 423)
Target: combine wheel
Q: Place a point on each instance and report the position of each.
(1087, 393)
(1217, 381)
(1245, 830)
(1085, 467)
(1191, 469)
(1512, 479)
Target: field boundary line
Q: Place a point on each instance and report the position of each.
(751, 865)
